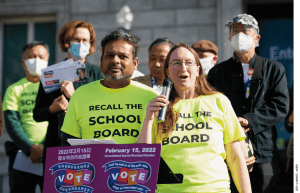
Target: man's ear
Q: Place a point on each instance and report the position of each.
(136, 63)
(257, 38)
(101, 58)
(215, 59)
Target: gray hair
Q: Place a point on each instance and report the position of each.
(33, 44)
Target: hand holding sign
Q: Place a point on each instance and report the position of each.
(67, 88)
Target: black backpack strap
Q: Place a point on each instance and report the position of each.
(255, 81)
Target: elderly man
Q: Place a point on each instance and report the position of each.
(208, 54)
(26, 134)
(257, 89)
(112, 108)
(158, 52)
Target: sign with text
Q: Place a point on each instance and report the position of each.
(102, 168)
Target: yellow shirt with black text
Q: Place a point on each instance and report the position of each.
(98, 112)
(195, 147)
(20, 97)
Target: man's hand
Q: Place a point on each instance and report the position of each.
(59, 104)
(250, 160)
(36, 153)
(67, 88)
(244, 123)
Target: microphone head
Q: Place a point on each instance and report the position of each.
(168, 82)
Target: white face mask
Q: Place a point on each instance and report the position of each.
(79, 50)
(206, 64)
(241, 42)
(35, 65)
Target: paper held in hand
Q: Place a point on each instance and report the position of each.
(23, 163)
(74, 142)
(53, 75)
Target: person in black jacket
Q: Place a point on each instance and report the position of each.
(78, 38)
(259, 102)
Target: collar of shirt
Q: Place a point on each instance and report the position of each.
(251, 65)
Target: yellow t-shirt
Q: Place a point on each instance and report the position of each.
(20, 97)
(98, 112)
(196, 149)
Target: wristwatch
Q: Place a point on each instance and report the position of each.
(290, 124)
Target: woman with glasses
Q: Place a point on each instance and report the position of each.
(200, 130)
(78, 39)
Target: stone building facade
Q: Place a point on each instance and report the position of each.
(180, 20)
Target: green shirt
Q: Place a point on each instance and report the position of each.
(20, 97)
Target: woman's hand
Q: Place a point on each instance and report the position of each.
(154, 106)
(152, 112)
(67, 88)
(59, 104)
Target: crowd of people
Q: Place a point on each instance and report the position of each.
(211, 110)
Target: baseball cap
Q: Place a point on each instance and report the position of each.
(206, 46)
(245, 19)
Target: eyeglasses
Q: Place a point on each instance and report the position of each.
(188, 63)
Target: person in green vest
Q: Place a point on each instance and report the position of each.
(27, 135)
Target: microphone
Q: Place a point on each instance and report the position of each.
(167, 85)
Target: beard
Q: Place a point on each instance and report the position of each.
(114, 77)
(123, 76)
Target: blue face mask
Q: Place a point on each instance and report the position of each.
(79, 50)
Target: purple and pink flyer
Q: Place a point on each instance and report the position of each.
(130, 168)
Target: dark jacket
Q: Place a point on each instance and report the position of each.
(43, 102)
(268, 107)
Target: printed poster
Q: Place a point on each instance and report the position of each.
(130, 168)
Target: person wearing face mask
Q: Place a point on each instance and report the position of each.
(78, 39)
(26, 134)
(208, 54)
(258, 91)
(112, 108)
(158, 52)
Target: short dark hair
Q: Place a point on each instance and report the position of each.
(160, 41)
(35, 43)
(122, 34)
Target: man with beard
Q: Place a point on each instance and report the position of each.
(158, 52)
(112, 108)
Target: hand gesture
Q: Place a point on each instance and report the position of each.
(59, 104)
(67, 88)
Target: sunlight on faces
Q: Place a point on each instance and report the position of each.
(183, 76)
(81, 35)
(157, 58)
(117, 62)
(203, 54)
(240, 28)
